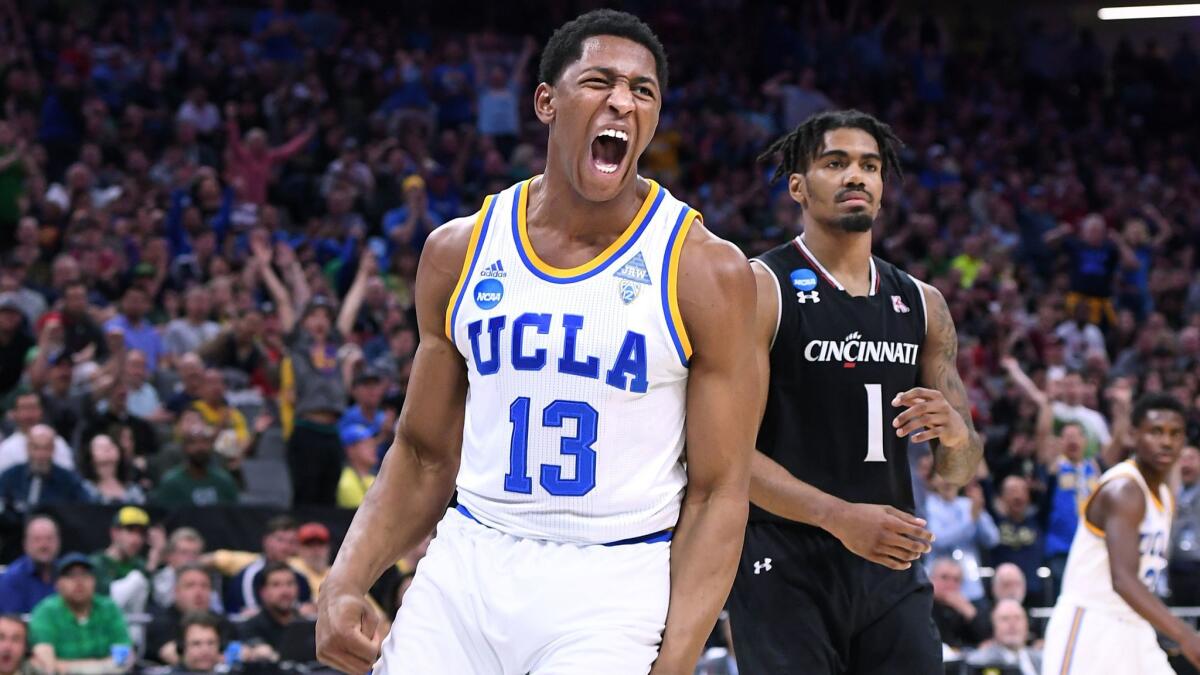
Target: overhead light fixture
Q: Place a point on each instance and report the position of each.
(1148, 12)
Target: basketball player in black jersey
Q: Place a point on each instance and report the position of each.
(861, 358)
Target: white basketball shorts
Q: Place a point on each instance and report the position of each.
(1082, 641)
(487, 603)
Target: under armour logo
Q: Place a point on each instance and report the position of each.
(763, 565)
(814, 296)
(898, 305)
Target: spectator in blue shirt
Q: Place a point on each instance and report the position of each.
(139, 333)
(409, 225)
(39, 481)
(962, 528)
(1021, 541)
(31, 577)
(1073, 479)
(368, 389)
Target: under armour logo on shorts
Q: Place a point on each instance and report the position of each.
(763, 565)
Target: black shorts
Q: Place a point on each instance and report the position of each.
(804, 605)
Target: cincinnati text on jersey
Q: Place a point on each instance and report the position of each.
(852, 349)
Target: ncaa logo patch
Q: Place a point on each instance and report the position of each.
(804, 279)
(488, 293)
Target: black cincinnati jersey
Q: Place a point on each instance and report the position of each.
(837, 363)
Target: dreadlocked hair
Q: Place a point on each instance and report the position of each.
(800, 147)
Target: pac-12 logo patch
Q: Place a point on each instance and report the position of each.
(632, 276)
(804, 279)
(488, 293)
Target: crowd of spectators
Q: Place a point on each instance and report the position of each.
(211, 216)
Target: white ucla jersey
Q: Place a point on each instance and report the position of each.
(577, 378)
(1087, 580)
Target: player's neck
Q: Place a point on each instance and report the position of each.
(554, 202)
(845, 255)
(1152, 476)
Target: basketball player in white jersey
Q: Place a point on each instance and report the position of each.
(573, 333)
(1107, 613)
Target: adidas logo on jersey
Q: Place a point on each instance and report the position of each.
(496, 269)
(632, 276)
(853, 349)
(811, 296)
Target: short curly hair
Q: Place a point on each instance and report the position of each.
(800, 147)
(566, 44)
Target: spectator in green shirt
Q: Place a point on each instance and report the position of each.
(121, 571)
(75, 629)
(196, 482)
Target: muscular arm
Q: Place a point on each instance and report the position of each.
(1118, 509)
(775, 489)
(716, 297)
(956, 455)
(417, 477)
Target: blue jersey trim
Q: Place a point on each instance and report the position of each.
(652, 538)
(487, 220)
(663, 288)
(516, 232)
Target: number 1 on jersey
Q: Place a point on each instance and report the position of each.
(874, 423)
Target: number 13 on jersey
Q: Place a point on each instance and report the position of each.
(578, 446)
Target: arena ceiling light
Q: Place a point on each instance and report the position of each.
(1148, 12)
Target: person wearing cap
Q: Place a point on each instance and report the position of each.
(15, 343)
(313, 555)
(409, 224)
(138, 331)
(359, 473)
(76, 629)
(367, 391)
(198, 481)
(39, 482)
(313, 561)
(120, 570)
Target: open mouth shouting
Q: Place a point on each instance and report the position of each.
(609, 148)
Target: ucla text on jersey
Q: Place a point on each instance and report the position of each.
(577, 377)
